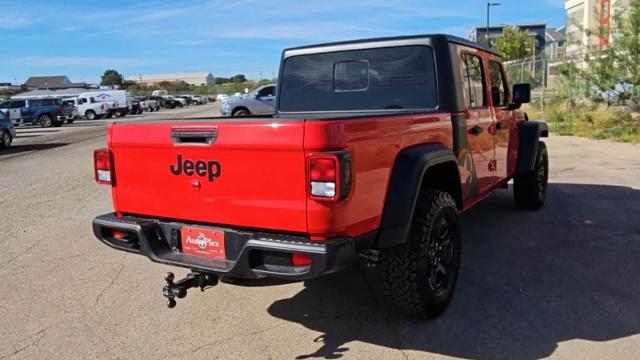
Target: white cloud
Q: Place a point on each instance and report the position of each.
(556, 3)
(75, 61)
(324, 31)
(14, 21)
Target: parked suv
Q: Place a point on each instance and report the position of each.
(375, 150)
(260, 101)
(7, 131)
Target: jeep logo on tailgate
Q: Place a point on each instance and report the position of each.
(211, 168)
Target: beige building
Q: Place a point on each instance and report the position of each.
(199, 78)
(590, 15)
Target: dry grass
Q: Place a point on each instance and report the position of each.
(592, 121)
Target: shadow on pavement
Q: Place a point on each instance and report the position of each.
(88, 123)
(36, 130)
(529, 280)
(16, 149)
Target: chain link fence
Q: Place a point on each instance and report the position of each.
(534, 72)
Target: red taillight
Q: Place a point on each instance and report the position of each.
(321, 169)
(300, 260)
(329, 175)
(103, 164)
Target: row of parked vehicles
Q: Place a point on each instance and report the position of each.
(93, 105)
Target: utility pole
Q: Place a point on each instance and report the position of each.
(489, 5)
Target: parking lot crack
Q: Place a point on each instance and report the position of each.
(113, 281)
(26, 251)
(34, 341)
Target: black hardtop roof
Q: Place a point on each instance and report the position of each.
(433, 37)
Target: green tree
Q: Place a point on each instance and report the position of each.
(111, 77)
(514, 44)
(240, 78)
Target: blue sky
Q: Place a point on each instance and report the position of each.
(83, 38)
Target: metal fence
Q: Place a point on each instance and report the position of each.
(534, 72)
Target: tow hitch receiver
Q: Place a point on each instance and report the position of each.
(178, 289)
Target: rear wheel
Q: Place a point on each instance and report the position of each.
(90, 115)
(6, 140)
(419, 277)
(530, 188)
(241, 112)
(45, 121)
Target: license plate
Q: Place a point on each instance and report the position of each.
(203, 242)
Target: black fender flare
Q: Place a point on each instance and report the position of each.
(403, 190)
(529, 133)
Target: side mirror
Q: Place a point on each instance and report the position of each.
(521, 95)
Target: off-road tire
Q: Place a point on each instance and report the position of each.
(5, 140)
(407, 274)
(45, 120)
(241, 112)
(90, 115)
(530, 188)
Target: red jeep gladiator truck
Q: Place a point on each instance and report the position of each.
(376, 148)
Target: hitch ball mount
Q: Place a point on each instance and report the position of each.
(178, 290)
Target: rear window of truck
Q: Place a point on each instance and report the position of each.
(392, 78)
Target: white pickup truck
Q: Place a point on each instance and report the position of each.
(91, 108)
(149, 104)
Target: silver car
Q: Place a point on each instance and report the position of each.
(261, 101)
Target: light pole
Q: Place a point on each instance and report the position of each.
(489, 5)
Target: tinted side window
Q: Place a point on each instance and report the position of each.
(268, 91)
(390, 78)
(474, 84)
(20, 104)
(499, 90)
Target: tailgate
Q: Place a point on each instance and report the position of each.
(245, 173)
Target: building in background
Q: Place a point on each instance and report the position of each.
(538, 31)
(9, 87)
(52, 82)
(555, 43)
(550, 42)
(584, 16)
(199, 78)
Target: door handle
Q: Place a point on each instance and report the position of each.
(476, 130)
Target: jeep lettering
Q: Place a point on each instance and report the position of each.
(210, 168)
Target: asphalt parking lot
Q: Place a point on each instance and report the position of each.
(561, 283)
